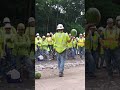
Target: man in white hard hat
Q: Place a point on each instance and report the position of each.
(37, 45)
(9, 43)
(37, 34)
(50, 42)
(22, 43)
(117, 49)
(70, 48)
(6, 20)
(60, 45)
(109, 45)
(44, 47)
(81, 43)
(30, 32)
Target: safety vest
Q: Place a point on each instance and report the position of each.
(22, 45)
(81, 42)
(10, 43)
(101, 50)
(110, 38)
(49, 40)
(74, 43)
(95, 41)
(38, 41)
(70, 44)
(60, 41)
(88, 43)
(44, 45)
(30, 31)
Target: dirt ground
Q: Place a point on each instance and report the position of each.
(74, 79)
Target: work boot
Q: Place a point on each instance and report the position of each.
(61, 74)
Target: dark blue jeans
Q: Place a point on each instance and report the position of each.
(90, 62)
(61, 58)
(110, 58)
(81, 52)
(95, 55)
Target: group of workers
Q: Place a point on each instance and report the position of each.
(102, 48)
(60, 43)
(17, 47)
(46, 44)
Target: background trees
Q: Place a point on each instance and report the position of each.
(51, 12)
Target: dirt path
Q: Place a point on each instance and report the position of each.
(74, 79)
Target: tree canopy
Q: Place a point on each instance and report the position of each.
(49, 13)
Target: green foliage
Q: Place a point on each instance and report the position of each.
(49, 13)
(76, 26)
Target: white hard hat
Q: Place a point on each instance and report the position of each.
(117, 18)
(84, 33)
(48, 34)
(20, 26)
(6, 19)
(69, 34)
(80, 33)
(43, 36)
(31, 19)
(7, 25)
(100, 28)
(37, 34)
(109, 20)
(60, 26)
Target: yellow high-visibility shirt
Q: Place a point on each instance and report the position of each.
(70, 44)
(74, 43)
(60, 41)
(30, 31)
(44, 45)
(49, 40)
(110, 38)
(81, 42)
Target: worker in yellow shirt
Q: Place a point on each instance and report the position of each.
(110, 43)
(81, 43)
(75, 45)
(37, 45)
(89, 57)
(30, 32)
(44, 47)
(6, 20)
(60, 45)
(70, 46)
(22, 44)
(9, 44)
(117, 48)
(50, 41)
(100, 46)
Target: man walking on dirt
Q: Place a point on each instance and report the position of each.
(60, 45)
